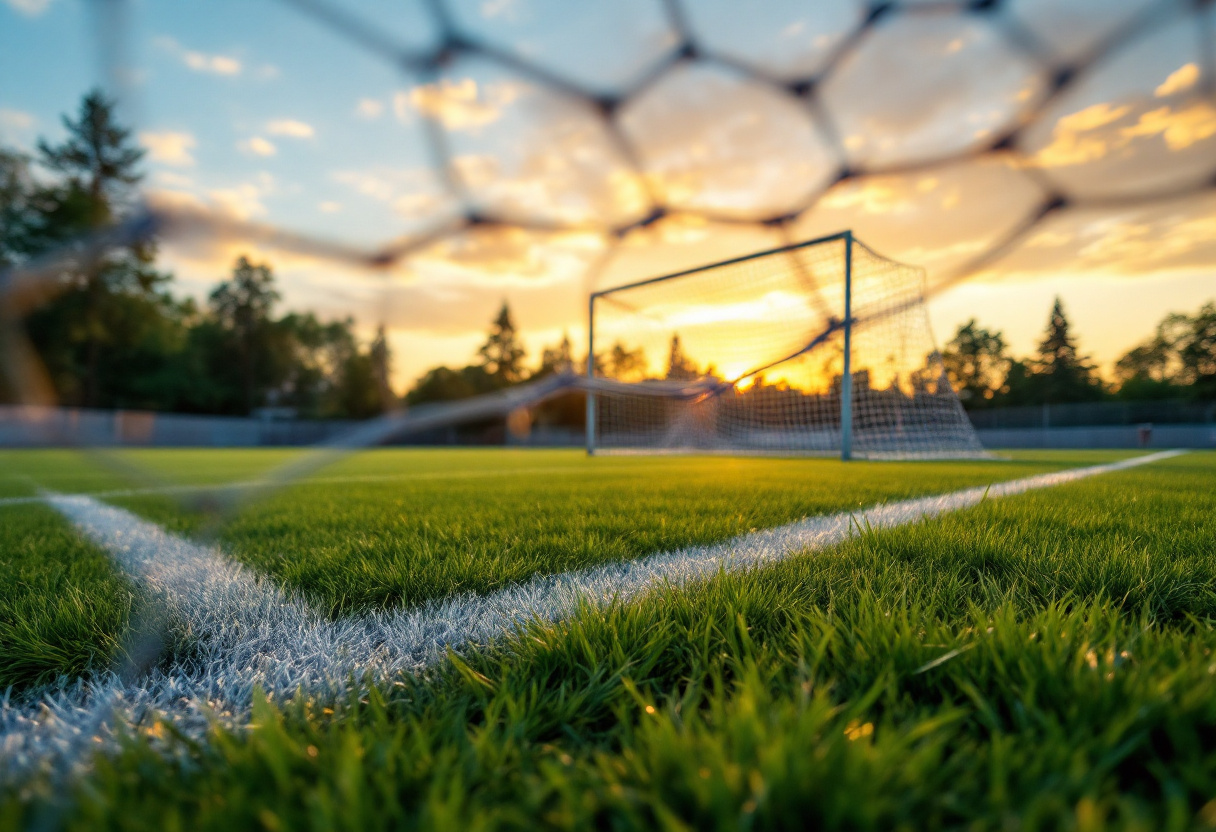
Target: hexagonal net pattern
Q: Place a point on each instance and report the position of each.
(539, 119)
(767, 336)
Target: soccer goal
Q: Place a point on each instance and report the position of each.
(821, 347)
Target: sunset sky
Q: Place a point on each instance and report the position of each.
(254, 112)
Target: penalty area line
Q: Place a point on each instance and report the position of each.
(250, 633)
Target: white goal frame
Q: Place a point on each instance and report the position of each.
(833, 327)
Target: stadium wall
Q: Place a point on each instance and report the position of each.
(1122, 436)
(31, 427)
(60, 427)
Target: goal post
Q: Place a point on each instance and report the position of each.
(821, 347)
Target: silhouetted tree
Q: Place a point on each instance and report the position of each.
(976, 363)
(243, 307)
(559, 359)
(109, 315)
(381, 357)
(1059, 373)
(1197, 353)
(679, 366)
(502, 354)
(626, 364)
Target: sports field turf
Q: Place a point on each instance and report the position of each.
(399, 527)
(63, 605)
(402, 527)
(1041, 661)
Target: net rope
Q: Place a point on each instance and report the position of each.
(615, 114)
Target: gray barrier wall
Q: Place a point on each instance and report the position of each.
(57, 427)
(1096, 414)
(1120, 436)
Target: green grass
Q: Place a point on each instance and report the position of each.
(1040, 662)
(24, 472)
(63, 604)
(474, 521)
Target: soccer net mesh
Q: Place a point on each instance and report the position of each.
(765, 337)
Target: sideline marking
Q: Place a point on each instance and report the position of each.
(249, 632)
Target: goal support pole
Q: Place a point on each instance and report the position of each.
(846, 380)
(590, 429)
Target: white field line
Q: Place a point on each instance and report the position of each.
(249, 632)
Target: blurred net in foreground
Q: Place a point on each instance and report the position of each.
(778, 334)
(533, 140)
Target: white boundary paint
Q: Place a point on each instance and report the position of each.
(248, 632)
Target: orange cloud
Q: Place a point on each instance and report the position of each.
(291, 128)
(258, 146)
(460, 104)
(1181, 79)
(169, 147)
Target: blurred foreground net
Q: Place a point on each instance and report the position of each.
(542, 141)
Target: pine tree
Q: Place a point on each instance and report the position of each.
(1060, 372)
(381, 358)
(559, 359)
(679, 366)
(502, 354)
(96, 156)
(106, 309)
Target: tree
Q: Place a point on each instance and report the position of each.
(1197, 353)
(557, 359)
(679, 366)
(242, 306)
(502, 354)
(976, 363)
(441, 384)
(96, 156)
(626, 364)
(16, 191)
(381, 357)
(1059, 373)
(106, 310)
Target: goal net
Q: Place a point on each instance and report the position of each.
(822, 347)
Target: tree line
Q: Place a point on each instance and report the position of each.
(1177, 362)
(113, 336)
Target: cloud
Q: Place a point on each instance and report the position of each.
(290, 127)
(1181, 79)
(1179, 129)
(214, 64)
(217, 64)
(242, 201)
(171, 179)
(30, 8)
(1100, 130)
(412, 193)
(329, 207)
(14, 122)
(460, 104)
(369, 108)
(258, 146)
(1157, 238)
(169, 147)
(508, 255)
